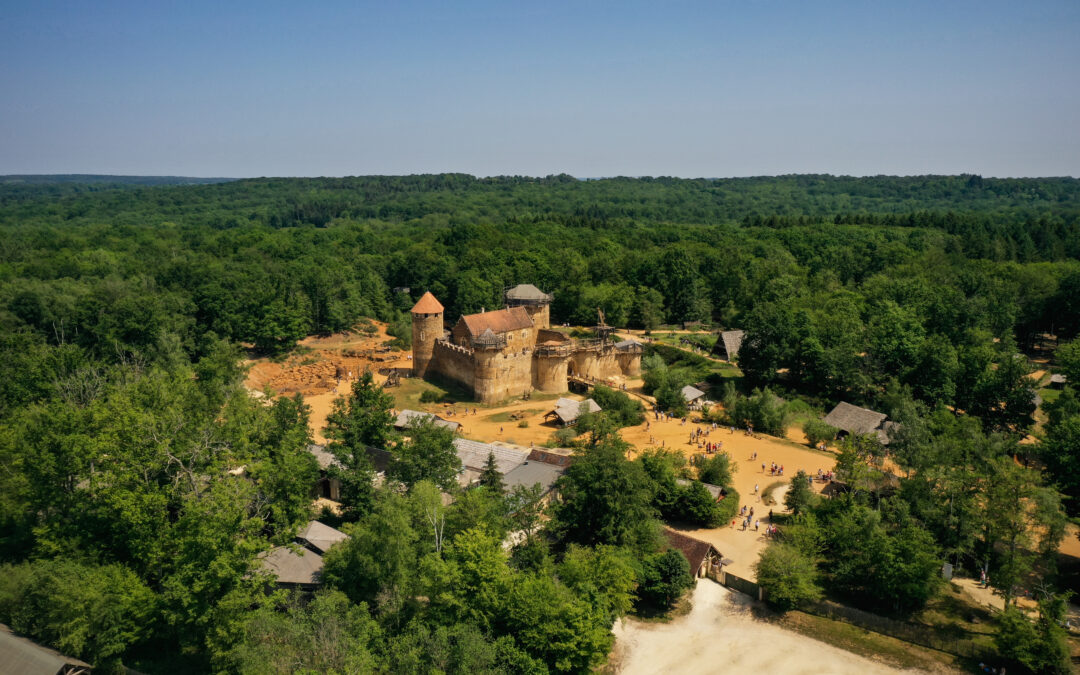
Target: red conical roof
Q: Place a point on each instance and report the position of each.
(427, 305)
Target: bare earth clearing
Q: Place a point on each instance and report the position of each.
(720, 635)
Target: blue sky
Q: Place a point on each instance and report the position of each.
(588, 88)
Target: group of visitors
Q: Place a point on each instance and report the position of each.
(774, 469)
(747, 514)
(700, 437)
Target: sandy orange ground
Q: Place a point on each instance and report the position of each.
(740, 546)
(314, 373)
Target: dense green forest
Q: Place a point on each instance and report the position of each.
(124, 308)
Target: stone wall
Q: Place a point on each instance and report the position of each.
(629, 363)
(500, 375)
(549, 374)
(545, 335)
(595, 364)
(541, 315)
(454, 363)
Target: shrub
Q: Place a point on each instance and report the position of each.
(664, 578)
(817, 431)
(401, 330)
(618, 406)
(430, 396)
(763, 409)
(523, 424)
(669, 398)
(697, 505)
(727, 507)
(788, 576)
(716, 469)
(800, 496)
(565, 436)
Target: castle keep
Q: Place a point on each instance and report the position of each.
(509, 352)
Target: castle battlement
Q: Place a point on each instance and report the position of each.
(446, 344)
(497, 355)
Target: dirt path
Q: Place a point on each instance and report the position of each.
(740, 546)
(720, 635)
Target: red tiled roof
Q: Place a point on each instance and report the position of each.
(695, 550)
(499, 321)
(427, 304)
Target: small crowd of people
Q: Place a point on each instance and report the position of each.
(774, 469)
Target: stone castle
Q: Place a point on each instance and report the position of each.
(509, 352)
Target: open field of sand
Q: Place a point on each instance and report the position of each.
(720, 635)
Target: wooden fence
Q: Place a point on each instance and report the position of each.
(962, 644)
(737, 584)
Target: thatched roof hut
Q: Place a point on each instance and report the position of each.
(728, 344)
(567, 410)
(852, 419)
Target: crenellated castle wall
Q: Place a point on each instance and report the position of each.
(453, 362)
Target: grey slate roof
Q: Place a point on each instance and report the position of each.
(568, 410)
(406, 417)
(731, 341)
(628, 345)
(527, 293)
(293, 568)
(320, 537)
(691, 393)
(474, 455)
(380, 459)
(323, 456)
(26, 657)
(531, 473)
(856, 420)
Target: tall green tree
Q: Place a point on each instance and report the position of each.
(356, 422)
(604, 499)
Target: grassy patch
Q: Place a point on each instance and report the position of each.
(407, 394)
(505, 415)
(767, 494)
(955, 615)
(651, 615)
(1049, 395)
(866, 643)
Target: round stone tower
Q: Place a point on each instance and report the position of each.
(550, 369)
(427, 327)
(487, 353)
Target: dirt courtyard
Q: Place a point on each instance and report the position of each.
(720, 635)
(742, 547)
